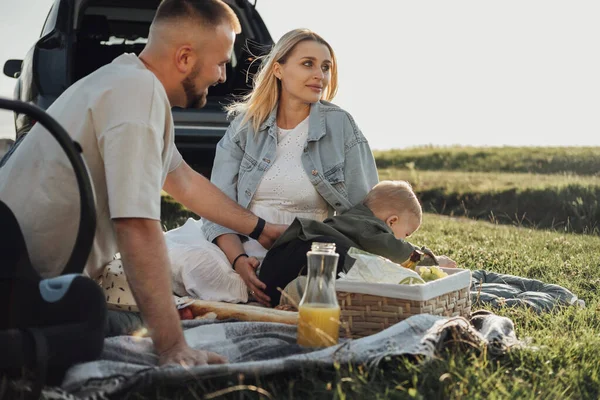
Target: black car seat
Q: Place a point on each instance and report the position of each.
(47, 325)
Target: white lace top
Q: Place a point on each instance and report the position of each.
(285, 191)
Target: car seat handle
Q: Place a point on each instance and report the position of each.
(87, 213)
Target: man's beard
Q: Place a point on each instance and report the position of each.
(193, 99)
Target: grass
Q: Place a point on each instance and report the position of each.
(543, 160)
(561, 362)
(506, 192)
(561, 201)
(172, 213)
(487, 182)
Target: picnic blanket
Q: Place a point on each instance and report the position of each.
(502, 290)
(265, 348)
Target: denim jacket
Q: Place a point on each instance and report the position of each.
(336, 158)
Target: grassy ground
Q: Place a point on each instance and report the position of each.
(544, 160)
(560, 201)
(562, 362)
(509, 190)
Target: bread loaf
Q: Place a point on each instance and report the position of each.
(242, 312)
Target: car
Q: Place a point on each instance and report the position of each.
(80, 36)
(5, 145)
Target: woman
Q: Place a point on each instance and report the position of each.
(288, 153)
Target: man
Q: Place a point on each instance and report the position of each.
(121, 116)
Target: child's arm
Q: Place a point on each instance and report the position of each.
(398, 250)
(386, 245)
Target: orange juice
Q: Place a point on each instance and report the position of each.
(318, 325)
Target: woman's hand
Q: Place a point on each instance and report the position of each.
(246, 268)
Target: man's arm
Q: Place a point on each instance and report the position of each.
(146, 265)
(202, 197)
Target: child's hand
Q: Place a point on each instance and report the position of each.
(446, 262)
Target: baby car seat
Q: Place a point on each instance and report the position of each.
(47, 325)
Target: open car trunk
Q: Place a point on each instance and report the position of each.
(105, 29)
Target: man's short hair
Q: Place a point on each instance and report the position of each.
(210, 13)
(393, 197)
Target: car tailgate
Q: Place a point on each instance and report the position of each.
(202, 128)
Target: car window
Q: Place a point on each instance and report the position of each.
(50, 20)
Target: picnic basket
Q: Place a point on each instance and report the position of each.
(368, 308)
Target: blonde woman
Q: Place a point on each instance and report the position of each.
(288, 153)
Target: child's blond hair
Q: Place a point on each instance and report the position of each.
(393, 197)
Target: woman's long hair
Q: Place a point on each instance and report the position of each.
(258, 104)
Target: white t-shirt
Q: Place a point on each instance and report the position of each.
(121, 117)
(285, 191)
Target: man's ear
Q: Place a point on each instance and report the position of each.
(391, 220)
(184, 59)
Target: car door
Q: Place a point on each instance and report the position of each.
(45, 72)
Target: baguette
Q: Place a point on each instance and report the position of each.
(242, 312)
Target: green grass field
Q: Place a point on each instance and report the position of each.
(562, 362)
(563, 202)
(561, 359)
(543, 160)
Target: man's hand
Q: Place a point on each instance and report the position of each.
(182, 354)
(146, 265)
(446, 262)
(246, 267)
(270, 234)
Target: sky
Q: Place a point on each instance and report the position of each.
(430, 72)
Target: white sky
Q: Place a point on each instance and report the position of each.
(469, 72)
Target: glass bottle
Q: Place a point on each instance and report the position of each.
(319, 311)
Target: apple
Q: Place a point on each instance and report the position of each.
(185, 313)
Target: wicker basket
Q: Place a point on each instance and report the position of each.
(369, 308)
(365, 314)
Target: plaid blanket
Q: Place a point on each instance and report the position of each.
(265, 348)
